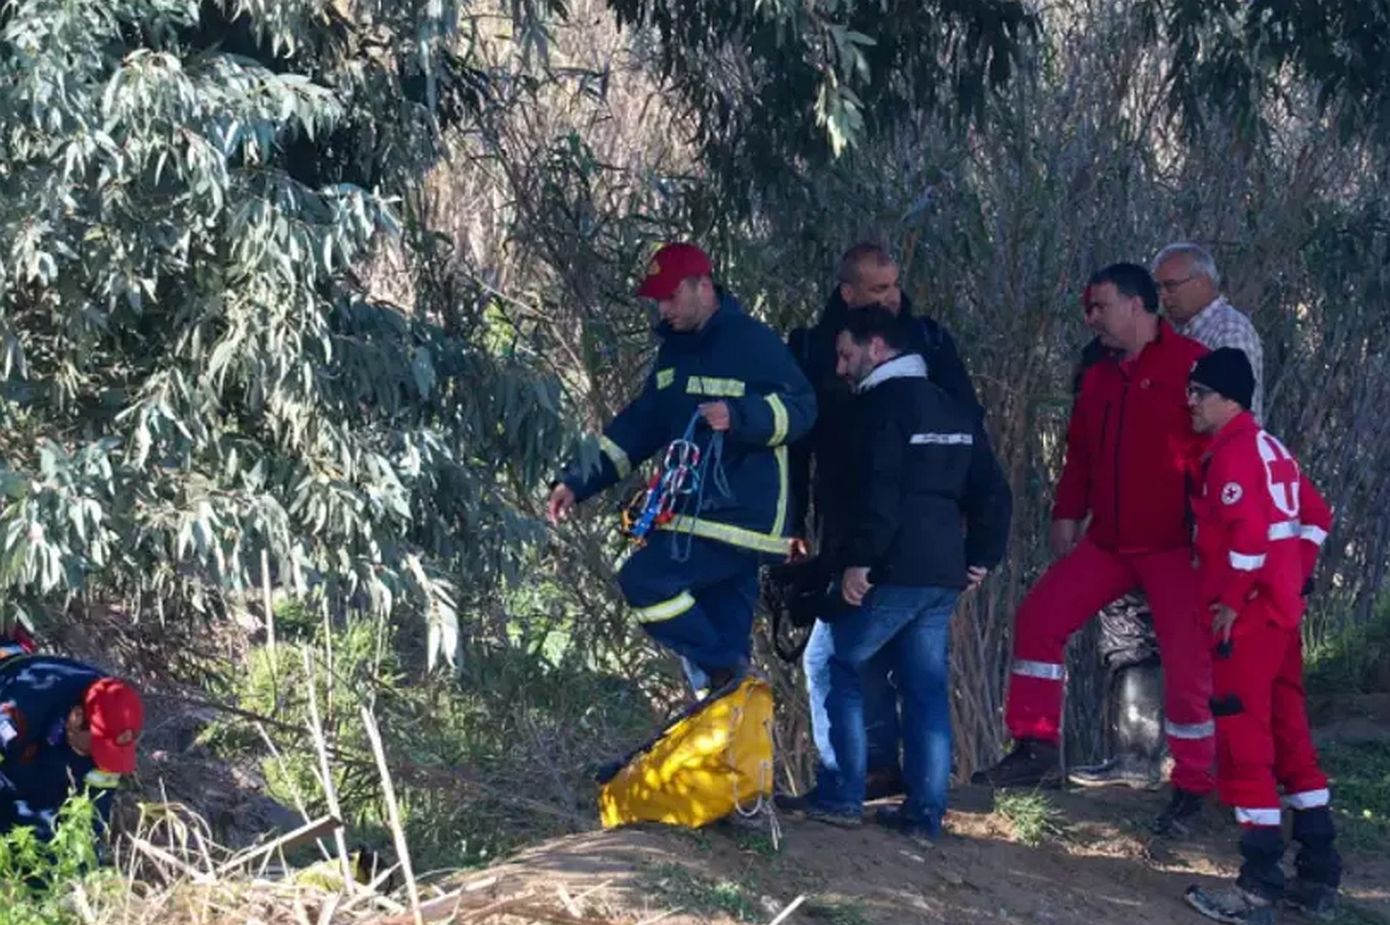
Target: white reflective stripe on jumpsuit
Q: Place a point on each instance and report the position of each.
(1047, 671)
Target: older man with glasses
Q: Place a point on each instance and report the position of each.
(1189, 288)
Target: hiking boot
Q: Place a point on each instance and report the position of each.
(1316, 901)
(894, 819)
(1232, 905)
(1116, 773)
(836, 817)
(1031, 764)
(882, 783)
(1180, 817)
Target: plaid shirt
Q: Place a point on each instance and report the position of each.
(1220, 324)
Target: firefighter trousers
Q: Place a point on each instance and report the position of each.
(1066, 597)
(695, 597)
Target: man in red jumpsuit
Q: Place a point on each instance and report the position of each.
(1260, 524)
(1130, 447)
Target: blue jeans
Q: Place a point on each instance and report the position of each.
(880, 705)
(912, 627)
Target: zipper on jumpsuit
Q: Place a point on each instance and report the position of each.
(1119, 445)
(1104, 429)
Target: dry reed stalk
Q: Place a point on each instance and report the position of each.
(308, 831)
(267, 601)
(330, 792)
(294, 784)
(160, 856)
(393, 814)
(786, 913)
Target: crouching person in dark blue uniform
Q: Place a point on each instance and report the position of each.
(930, 519)
(724, 383)
(64, 727)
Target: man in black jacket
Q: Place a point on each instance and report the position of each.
(821, 464)
(929, 517)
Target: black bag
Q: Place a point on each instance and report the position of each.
(798, 594)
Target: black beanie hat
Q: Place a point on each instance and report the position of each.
(1226, 371)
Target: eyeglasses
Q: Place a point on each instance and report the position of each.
(1168, 285)
(1199, 392)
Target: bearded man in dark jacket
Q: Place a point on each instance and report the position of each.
(929, 517)
(821, 464)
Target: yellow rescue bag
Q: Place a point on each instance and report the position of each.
(712, 760)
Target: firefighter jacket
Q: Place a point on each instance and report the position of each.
(38, 771)
(1130, 448)
(1260, 522)
(736, 359)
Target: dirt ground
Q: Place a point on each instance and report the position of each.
(1100, 866)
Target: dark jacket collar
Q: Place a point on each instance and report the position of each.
(835, 310)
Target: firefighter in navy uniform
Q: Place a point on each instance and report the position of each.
(1260, 526)
(722, 383)
(64, 726)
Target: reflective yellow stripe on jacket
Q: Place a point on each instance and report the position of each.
(772, 543)
(666, 610)
(779, 419)
(727, 533)
(783, 493)
(102, 780)
(617, 456)
(716, 388)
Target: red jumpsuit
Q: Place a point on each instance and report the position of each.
(1260, 524)
(1131, 452)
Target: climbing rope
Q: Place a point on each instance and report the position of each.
(678, 487)
(762, 784)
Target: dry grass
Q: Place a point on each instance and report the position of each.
(197, 883)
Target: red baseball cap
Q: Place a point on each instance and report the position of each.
(671, 266)
(115, 715)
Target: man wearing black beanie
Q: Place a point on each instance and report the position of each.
(1226, 371)
(1260, 525)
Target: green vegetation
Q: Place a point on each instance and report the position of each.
(1354, 660)
(679, 887)
(837, 912)
(1032, 815)
(309, 299)
(484, 760)
(1360, 773)
(38, 879)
